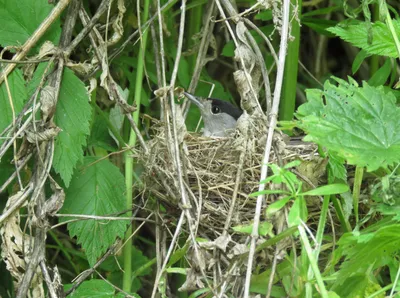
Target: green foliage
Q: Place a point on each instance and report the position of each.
(19, 95)
(358, 285)
(375, 40)
(336, 168)
(97, 188)
(367, 251)
(140, 263)
(96, 288)
(358, 60)
(381, 75)
(21, 18)
(260, 286)
(72, 116)
(386, 193)
(358, 123)
(100, 136)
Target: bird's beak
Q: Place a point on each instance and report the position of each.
(194, 99)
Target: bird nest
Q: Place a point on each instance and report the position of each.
(218, 174)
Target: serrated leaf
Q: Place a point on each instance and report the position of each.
(18, 92)
(97, 188)
(360, 124)
(368, 254)
(72, 115)
(19, 19)
(358, 35)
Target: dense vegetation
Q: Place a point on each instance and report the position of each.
(104, 193)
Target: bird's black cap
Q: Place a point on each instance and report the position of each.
(226, 107)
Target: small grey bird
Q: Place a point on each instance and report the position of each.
(219, 116)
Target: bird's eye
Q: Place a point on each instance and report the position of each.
(215, 110)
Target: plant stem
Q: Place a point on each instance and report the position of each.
(389, 23)
(313, 263)
(127, 277)
(287, 106)
(356, 190)
(195, 17)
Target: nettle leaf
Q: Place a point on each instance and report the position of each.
(19, 95)
(367, 252)
(359, 35)
(19, 19)
(97, 188)
(72, 116)
(360, 124)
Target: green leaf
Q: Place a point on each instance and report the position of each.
(360, 124)
(19, 19)
(322, 11)
(292, 164)
(7, 168)
(264, 228)
(276, 206)
(72, 116)
(184, 74)
(258, 284)
(178, 254)
(228, 49)
(140, 263)
(100, 135)
(358, 35)
(37, 77)
(18, 92)
(381, 75)
(297, 212)
(97, 188)
(320, 26)
(358, 60)
(367, 252)
(336, 168)
(93, 288)
(330, 189)
(265, 15)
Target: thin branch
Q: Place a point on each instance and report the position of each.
(207, 31)
(84, 275)
(54, 14)
(88, 26)
(268, 146)
(23, 196)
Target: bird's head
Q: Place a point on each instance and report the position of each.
(219, 116)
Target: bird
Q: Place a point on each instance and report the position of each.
(219, 116)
